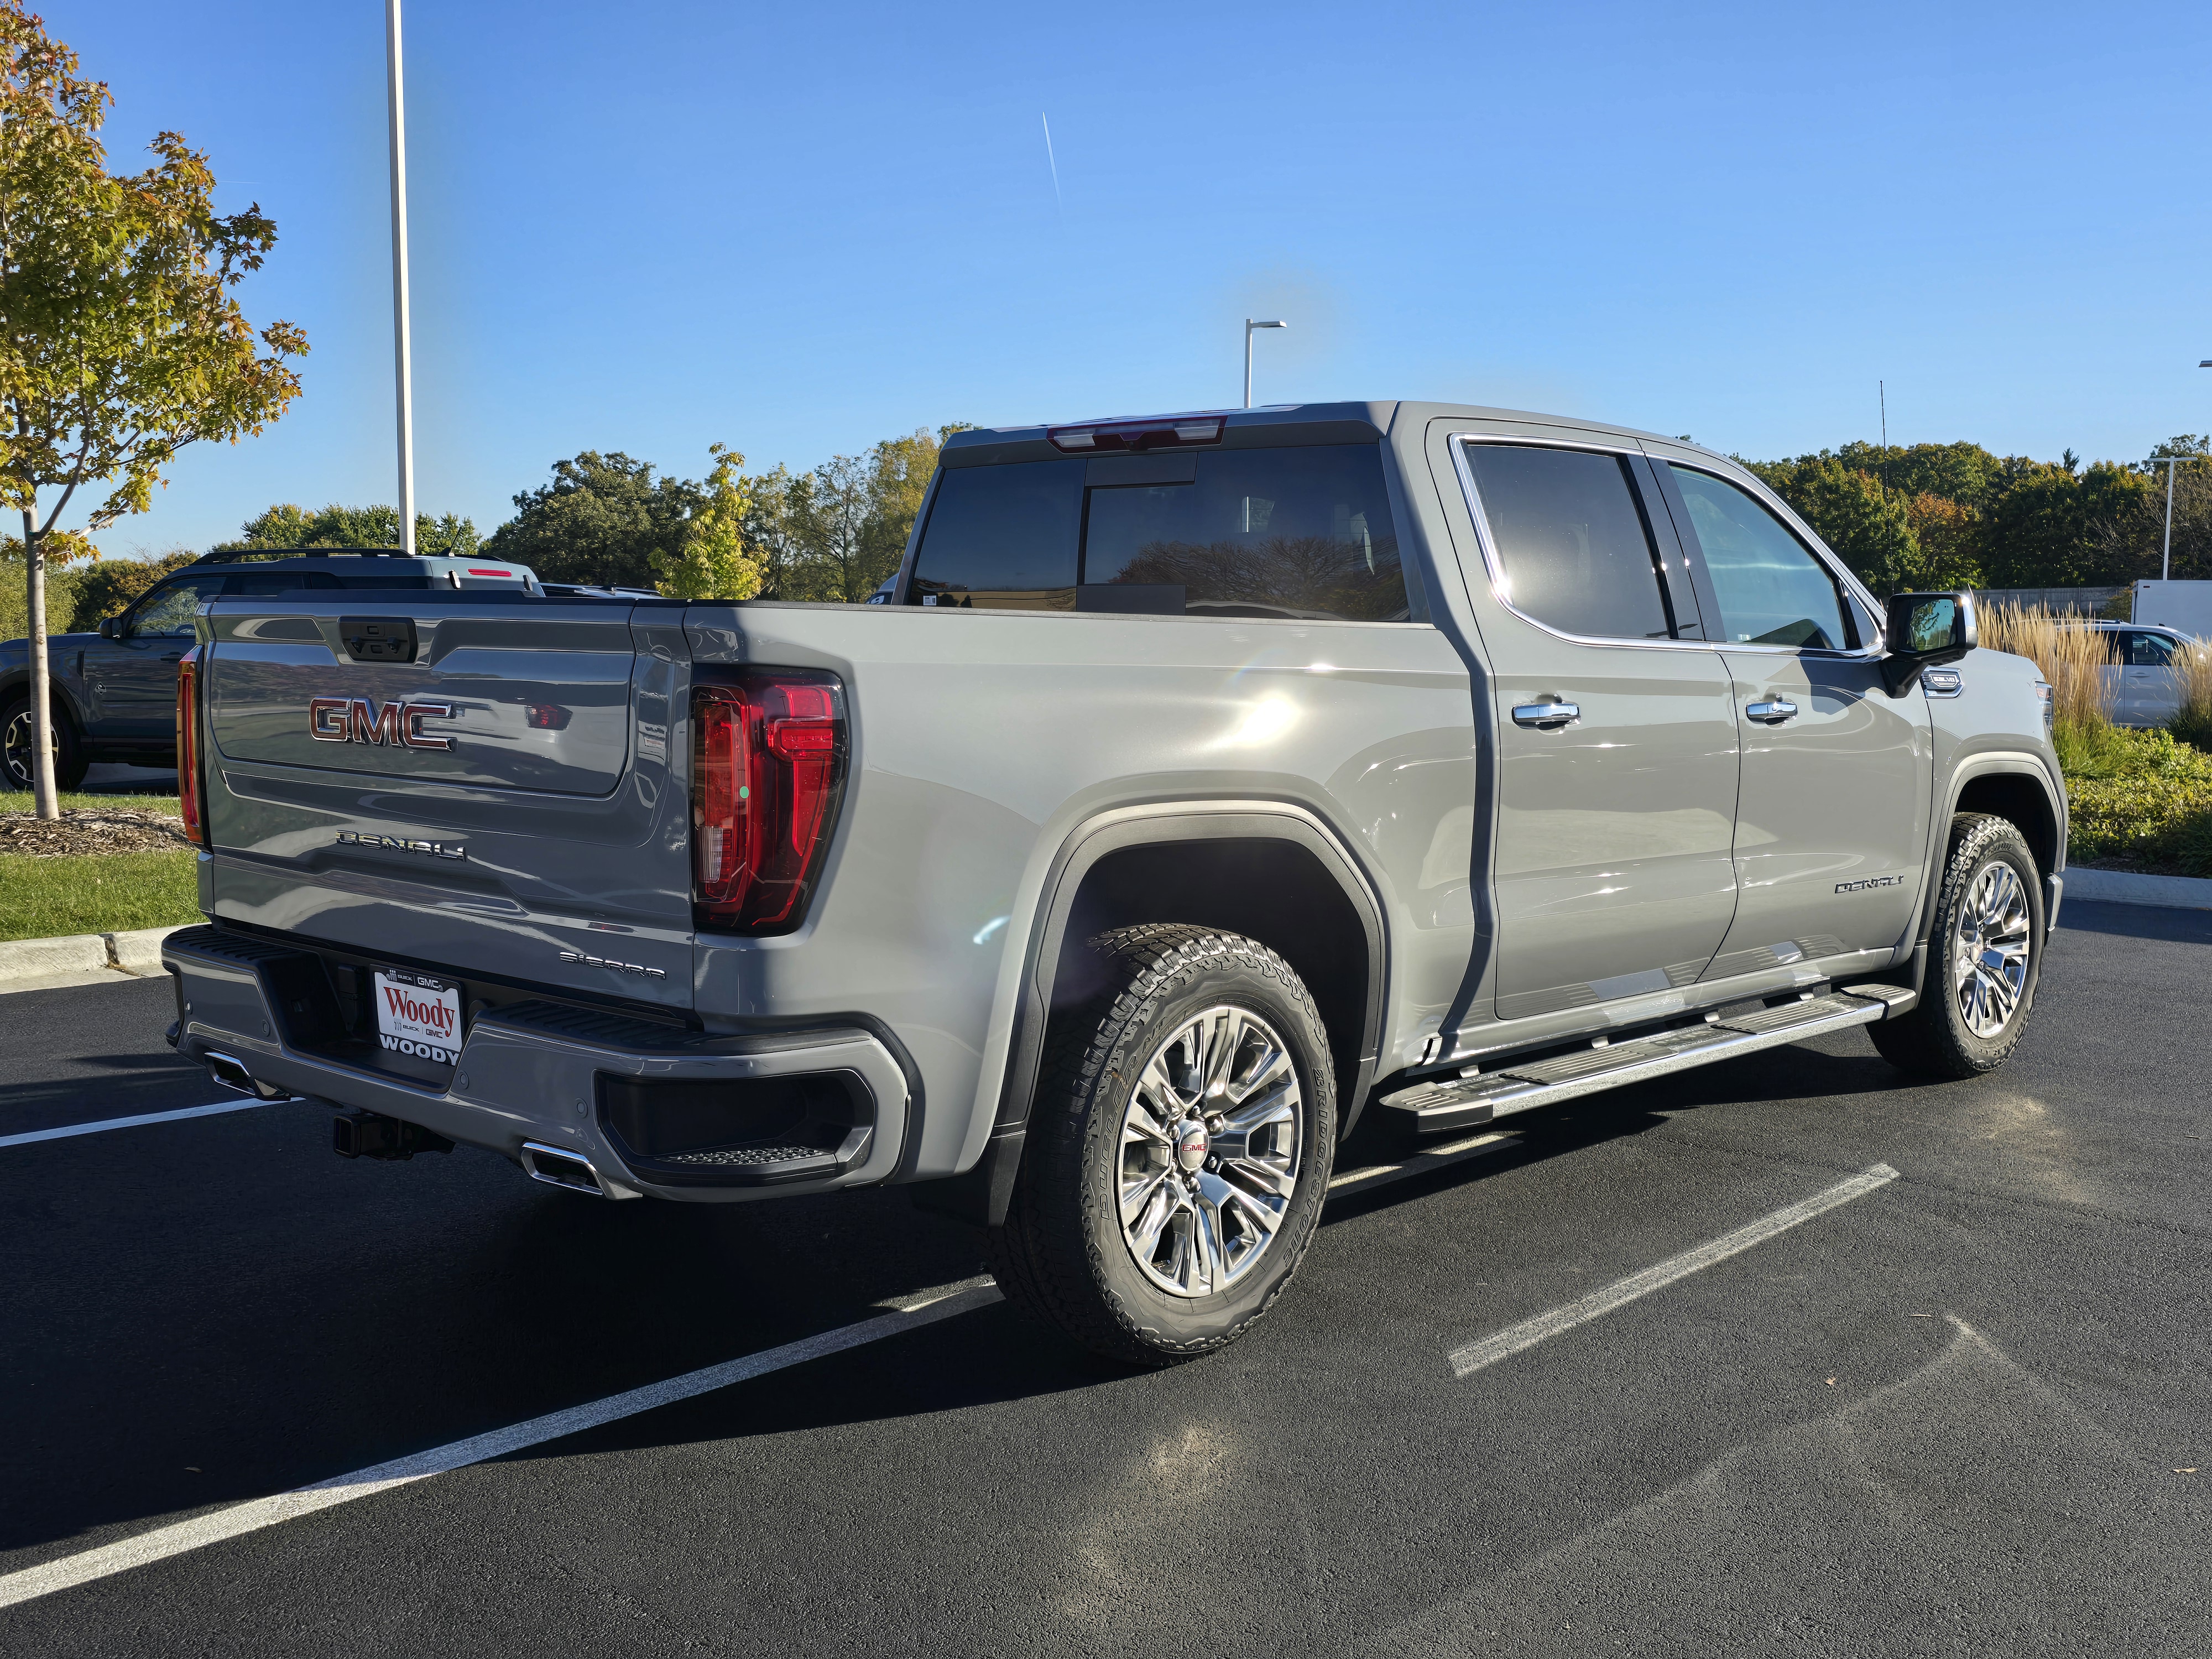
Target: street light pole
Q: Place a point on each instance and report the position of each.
(1248, 346)
(402, 368)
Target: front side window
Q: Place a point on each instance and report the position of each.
(1570, 540)
(1771, 590)
(168, 612)
(2149, 650)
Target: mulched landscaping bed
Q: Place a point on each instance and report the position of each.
(93, 830)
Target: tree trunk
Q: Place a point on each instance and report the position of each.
(42, 719)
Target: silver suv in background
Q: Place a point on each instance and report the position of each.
(1205, 782)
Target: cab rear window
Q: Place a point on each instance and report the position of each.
(1292, 533)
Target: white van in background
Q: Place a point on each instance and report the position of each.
(2184, 608)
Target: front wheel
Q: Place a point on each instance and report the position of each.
(1180, 1148)
(1985, 952)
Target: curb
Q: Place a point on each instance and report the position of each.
(30, 964)
(2125, 887)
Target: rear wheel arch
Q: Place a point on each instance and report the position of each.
(1269, 872)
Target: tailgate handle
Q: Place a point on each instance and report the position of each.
(377, 639)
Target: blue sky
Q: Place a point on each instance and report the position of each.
(796, 230)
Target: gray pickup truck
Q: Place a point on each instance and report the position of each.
(1207, 782)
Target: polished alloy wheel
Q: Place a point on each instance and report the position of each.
(1210, 1151)
(1989, 971)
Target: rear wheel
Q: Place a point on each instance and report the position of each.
(70, 762)
(1985, 952)
(1180, 1148)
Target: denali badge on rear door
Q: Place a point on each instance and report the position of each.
(437, 850)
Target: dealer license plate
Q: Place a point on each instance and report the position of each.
(419, 1016)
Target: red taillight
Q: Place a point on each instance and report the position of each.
(1160, 432)
(473, 571)
(768, 766)
(188, 801)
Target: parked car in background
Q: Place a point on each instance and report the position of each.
(2144, 687)
(114, 691)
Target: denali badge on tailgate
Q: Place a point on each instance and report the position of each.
(358, 720)
(440, 849)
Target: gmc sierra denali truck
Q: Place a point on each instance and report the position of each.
(1205, 781)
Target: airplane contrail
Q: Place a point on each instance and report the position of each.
(1054, 165)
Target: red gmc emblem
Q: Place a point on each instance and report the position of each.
(358, 720)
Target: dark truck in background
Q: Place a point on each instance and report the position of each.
(114, 691)
(1204, 782)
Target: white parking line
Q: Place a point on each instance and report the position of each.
(1529, 1332)
(253, 1516)
(68, 1129)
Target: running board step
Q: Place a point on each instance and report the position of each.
(1439, 1106)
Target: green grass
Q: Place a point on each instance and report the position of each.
(96, 893)
(22, 800)
(2139, 799)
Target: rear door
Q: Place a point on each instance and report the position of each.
(458, 781)
(1831, 816)
(1616, 731)
(2149, 689)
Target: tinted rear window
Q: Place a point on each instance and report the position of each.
(1289, 533)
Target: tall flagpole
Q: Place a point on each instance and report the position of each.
(402, 368)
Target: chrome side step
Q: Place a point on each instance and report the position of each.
(1439, 1106)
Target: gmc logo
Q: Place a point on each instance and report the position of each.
(358, 720)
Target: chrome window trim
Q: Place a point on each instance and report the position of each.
(1491, 561)
(1494, 566)
(1822, 553)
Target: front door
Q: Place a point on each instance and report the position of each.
(131, 679)
(1832, 815)
(1616, 734)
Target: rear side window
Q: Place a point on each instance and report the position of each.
(1291, 533)
(1570, 540)
(1771, 590)
(277, 581)
(1002, 538)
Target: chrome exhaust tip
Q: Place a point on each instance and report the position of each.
(230, 1071)
(557, 1168)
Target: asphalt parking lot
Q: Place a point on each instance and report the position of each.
(1966, 1410)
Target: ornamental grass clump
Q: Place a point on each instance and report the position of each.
(2192, 675)
(2072, 656)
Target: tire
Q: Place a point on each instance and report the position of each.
(1970, 1016)
(1199, 1263)
(70, 762)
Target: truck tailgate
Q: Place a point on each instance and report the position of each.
(479, 785)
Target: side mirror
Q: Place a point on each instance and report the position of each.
(1926, 630)
(107, 628)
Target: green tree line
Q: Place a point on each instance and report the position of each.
(1956, 515)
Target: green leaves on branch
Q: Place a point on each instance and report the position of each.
(712, 563)
(121, 342)
(287, 525)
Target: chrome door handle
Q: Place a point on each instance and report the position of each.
(1773, 712)
(1550, 716)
